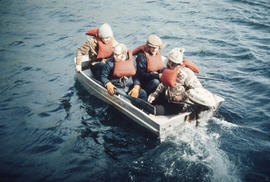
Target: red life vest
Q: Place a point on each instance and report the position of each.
(154, 63)
(124, 68)
(191, 65)
(138, 49)
(104, 50)
(169, 76)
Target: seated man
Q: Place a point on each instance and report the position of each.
(119, 72)
(176, 82)
(99, 48)
(149, 63)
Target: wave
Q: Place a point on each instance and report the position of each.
(192, 148)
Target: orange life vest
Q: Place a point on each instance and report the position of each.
(154, 63)
(169, 76)
(124, 68)
(138, 49)
(191, 65)
(104, 50)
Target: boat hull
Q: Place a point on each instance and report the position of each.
(161, 126)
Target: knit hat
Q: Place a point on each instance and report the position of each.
(176, 55)
(155, 41)
(105, 31)
(120, 48)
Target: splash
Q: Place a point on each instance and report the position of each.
(197, 151)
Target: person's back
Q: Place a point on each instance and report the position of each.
(175, 81)
(187, 78)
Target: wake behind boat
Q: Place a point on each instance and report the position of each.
(137, 109)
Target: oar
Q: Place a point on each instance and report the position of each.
(200, 77)
(138, 102)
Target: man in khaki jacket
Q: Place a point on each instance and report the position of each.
(99, 47)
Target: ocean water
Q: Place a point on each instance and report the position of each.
(51, 129)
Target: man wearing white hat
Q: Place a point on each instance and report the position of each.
(149, 63)
(99, 47)
(176, 80)
(119, 73)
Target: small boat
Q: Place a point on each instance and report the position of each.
(161, 126)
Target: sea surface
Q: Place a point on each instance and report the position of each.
(52, 129)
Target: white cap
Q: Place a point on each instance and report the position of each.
(155, 41)
(176, 55)
(105, 31)
(120, 49)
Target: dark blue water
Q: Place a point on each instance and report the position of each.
(51, 129)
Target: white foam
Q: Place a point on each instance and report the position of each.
(201, 147)
(224, 123)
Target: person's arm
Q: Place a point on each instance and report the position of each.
(153, 96)
(136, 80)
(105, 74)
(134, 92)
(88, 47)
(106, 71)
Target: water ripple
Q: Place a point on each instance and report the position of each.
(16, 43)
(50, 124)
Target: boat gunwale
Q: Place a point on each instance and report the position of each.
(159, 125)
(154, 118)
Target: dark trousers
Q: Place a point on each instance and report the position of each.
(97, 69)
(143, 94)
(150, 86)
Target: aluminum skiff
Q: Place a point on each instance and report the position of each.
(161, 126)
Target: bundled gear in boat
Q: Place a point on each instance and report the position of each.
(201, 96)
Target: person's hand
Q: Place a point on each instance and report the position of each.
(135, 91)
(78, 67)
(103, 61)
(150, 99)
(178, 98)
(110, 88)
(159, 75)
